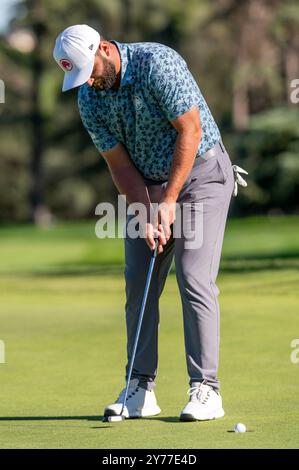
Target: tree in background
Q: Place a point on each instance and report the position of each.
(243, 54)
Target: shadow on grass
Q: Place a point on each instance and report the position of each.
(27, 419)
(79, 270)
(50, 418)
(260, 262)
(239, 263)
(95, 419)
(234, 432)
(229, 264)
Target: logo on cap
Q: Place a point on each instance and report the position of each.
(66, 64)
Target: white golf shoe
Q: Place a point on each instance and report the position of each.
(204, 403)
(139, 403)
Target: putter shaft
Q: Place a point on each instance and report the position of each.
(148, 281)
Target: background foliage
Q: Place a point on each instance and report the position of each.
(242, 54)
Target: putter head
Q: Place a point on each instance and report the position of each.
(116, 419)
(113, 419)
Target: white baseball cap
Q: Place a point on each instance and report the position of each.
(74, 52)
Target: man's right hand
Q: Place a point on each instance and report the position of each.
(151, 233)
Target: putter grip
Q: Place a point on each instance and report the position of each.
(155, 250)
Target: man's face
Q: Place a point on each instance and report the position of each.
(103, 75)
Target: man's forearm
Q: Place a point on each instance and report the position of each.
(129, 182)
(184, 154)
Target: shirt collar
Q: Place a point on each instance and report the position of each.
(127, 75)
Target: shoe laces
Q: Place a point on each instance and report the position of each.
(132, 393)
(133, 387)
(199, 393)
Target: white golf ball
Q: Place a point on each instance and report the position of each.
(240, 427)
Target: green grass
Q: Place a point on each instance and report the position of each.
(62, 321)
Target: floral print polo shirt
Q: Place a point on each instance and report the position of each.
(156, 87)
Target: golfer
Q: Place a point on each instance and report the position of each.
(150, 122)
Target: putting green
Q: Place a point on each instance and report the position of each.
(62, 322)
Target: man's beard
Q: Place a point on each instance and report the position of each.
(107, 80)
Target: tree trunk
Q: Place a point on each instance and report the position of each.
(37, 137)
(291, 69)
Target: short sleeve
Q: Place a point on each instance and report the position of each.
(172, 84)
(102, 138)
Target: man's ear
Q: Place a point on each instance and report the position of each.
(104, 47)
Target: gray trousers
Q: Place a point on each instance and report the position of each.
(211, 183)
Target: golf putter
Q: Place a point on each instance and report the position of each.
(121, 417)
